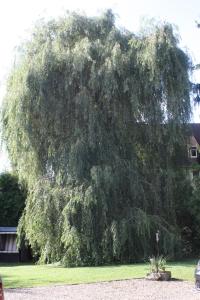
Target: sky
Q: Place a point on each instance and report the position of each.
(18, 17)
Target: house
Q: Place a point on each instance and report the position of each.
(8, 245)
(194, 150)
(9, 251)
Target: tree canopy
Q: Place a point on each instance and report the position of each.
(94, 121)
(12, 200)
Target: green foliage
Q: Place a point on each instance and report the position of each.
(189, 218)
(157, 264)
(12, 200)
(94, 121)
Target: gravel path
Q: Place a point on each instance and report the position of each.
(138, 289)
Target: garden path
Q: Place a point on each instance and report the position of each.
(137, 289)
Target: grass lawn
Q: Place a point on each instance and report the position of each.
(28, 275)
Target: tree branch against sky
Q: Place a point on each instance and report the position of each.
(17, 17)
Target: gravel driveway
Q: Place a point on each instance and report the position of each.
(116, 290)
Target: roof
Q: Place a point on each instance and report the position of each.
(195, 127)
(8, 230)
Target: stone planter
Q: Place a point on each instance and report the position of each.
(165, 276)
(162, 276)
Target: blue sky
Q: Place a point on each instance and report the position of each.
(17, 17)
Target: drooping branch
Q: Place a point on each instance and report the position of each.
(94, 121)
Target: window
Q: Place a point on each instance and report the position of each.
(8, 243)
(193, 152)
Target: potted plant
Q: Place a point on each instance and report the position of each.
(157, 269)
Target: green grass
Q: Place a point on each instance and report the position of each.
(28, 275)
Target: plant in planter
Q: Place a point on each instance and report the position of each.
(157, 269)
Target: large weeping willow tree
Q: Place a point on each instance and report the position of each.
(94, 121)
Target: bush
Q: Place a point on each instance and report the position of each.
(12, 199)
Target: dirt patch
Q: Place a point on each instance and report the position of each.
(138, 289)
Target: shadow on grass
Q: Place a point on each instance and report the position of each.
(10, 265)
